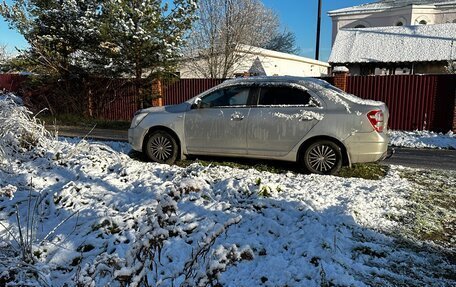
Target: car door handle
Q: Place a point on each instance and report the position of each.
(237, 117)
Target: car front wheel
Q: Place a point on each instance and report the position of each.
(161, 147)
(323, 157)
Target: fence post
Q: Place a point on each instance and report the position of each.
(157, 93)
(341, 77)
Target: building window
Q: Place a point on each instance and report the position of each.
(454, 21)
(399, 23)
(360, 26)
(422, 20)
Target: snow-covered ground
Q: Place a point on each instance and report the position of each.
(92, 216)
(422, 139)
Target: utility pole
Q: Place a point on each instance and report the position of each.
(317, 48)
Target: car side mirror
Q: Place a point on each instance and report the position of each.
(196, 104)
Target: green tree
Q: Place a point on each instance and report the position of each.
(76, 39)
(144, 36)
(58, 32)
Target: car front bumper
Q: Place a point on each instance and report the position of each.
(135, 138)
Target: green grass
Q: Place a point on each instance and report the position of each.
(373, 171)
(431, 214)
(75, 120)
(367, 171)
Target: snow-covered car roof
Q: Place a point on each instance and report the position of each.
(324, 89)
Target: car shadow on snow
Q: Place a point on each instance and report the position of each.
(292, 243)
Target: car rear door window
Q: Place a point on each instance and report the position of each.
(227, 97)
(277, 96)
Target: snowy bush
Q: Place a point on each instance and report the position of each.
(451, 67)
(21, 136)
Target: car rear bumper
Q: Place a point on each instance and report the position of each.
(367, 147)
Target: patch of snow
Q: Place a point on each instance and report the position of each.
(422, 43)
(5, 97)
(102, 218)
(341, 69)
(303, 115)
(422, 139)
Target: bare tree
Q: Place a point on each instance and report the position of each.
(225, 32)
(283, 42)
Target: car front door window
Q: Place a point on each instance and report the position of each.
(228, 97)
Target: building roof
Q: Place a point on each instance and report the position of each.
(279, 55)
(423, 43)
(388, 4)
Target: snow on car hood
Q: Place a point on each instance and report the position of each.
(171, 109)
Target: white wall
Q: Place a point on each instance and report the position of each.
(277, 64)
(409, 15)
(281, 66)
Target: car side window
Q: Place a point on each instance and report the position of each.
(227, 97)
(275, 96)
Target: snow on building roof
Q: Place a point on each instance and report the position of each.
(388, 4)
(423, 43)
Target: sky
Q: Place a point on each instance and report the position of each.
(298, 16)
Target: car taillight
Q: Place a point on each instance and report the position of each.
(376, 119)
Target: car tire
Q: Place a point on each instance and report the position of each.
(323, 157)
(162, 147)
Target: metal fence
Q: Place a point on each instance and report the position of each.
(178, 91)
(118, 102)
(11, 82)
(415, 102)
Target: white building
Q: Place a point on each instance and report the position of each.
(258, 61)
(394, 13)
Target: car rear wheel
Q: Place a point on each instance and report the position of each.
(161, 147)
(323, 157)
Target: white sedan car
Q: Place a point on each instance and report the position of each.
(303, 120)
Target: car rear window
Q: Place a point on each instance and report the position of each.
(273, 96)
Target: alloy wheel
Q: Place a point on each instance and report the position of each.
(322, 158)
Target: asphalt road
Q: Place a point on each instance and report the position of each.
(424, 158)
(417, 158)
(89, 133)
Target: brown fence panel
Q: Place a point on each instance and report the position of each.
(118, 102)
(178, 91)
(11, 82)
(445, 103)
(414, 101)
(328, 79)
